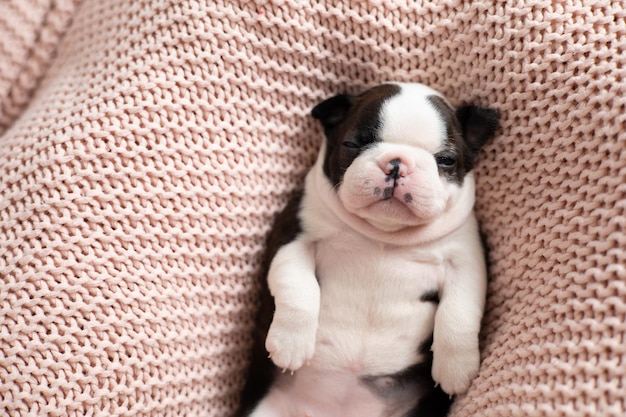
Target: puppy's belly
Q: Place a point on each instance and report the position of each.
(314, 393)
(373, 317)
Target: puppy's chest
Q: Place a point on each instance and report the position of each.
(369, 271)
(376, 304)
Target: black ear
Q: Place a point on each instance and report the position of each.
(478, 124)
(333, 110)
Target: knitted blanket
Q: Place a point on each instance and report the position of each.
(146, 146)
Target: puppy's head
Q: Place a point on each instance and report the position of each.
(398, 155)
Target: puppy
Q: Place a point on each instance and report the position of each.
(377, 274)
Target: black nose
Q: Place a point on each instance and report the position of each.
(394, 172)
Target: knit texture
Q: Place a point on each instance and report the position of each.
(139, 182)
(30, 31)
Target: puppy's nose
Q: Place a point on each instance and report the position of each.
(393, 169)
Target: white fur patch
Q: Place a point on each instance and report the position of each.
(410, 119)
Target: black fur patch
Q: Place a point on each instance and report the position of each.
(434, 402)
(467, 130)
(430, 297)
(351, 124)
(412, 389)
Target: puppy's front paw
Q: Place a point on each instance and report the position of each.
(291, 338)
(454, 369)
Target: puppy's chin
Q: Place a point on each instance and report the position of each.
(393, 213)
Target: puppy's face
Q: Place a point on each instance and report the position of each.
(398, 154)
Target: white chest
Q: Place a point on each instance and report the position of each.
(373, 318)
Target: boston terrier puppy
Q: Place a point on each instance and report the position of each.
(376, 274)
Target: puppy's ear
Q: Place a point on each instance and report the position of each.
(332, 111)
(478, 125)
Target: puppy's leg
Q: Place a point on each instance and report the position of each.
(292, 282)
(456, 355)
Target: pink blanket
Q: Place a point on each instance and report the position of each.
(144, 154)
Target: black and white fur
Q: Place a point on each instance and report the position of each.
(377, 273)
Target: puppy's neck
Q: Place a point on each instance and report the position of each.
(388, 228)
